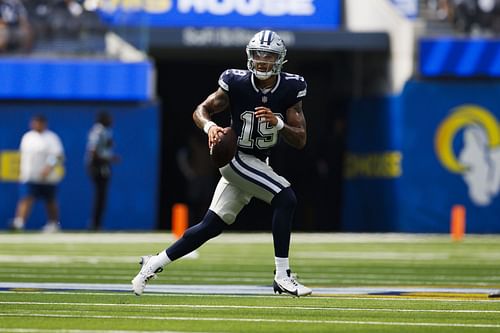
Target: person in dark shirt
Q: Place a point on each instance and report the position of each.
(99, 157)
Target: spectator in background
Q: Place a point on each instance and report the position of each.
(66, 26)
(99, 157)
(489, 16)
(439, 9)
(15, 29)
(41, 153)
(477, 17)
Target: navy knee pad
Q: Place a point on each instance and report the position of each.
(210, 226)
(285, 199)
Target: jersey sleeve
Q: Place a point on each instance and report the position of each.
(296, 87)
(301, 89)
(232, 77)
(225, 80)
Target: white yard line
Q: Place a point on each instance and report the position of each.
(234, 289)
(229, 237)
(60, 260)
(65, 259)
(354, 297)
(369, 280)
(102, 277)
(254, 307)
(255, 320)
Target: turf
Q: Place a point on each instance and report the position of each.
(387, 262)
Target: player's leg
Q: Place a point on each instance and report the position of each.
(284, 208)
(283, 204)
(24, 206)
(210, 226)
(22, 212)
(48, 193)
(99, 204)
(261, 181)
(227, 202)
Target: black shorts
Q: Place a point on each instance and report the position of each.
(39, 191)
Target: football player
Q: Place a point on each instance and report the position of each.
(265, 103)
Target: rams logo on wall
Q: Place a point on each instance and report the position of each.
(478, 158)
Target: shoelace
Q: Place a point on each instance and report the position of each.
(158, 270)
(148, 278)
(149, 275)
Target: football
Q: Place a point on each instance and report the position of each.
(223, 152)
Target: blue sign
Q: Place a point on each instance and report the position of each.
(75, 79)
(451, 152)
(452, 57)
(411, 158)
(372, 165)
(257, 14)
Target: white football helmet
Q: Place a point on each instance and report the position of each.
(266, 41)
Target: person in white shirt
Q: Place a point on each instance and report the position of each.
(41, 152)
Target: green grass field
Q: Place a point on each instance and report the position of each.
(362, 283)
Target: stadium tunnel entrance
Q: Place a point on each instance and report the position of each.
(334, 77)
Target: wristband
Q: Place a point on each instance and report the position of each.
(280, 124)
(207, 126)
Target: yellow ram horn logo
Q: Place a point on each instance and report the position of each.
(461, 117)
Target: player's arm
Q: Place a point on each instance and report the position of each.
(51, 162)
(294, 130)
(202, 115)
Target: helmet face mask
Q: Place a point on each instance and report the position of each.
(266, 53)
(263, 63)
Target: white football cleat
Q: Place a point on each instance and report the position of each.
(147, 272)
(17, 224)
(290, 285)
(51, 228)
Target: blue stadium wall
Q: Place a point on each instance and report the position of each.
(70, 95)
(133, 188)
(407, 162)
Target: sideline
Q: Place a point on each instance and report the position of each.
(231, 237)
(250, 290)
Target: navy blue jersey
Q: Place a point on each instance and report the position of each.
(257, 137)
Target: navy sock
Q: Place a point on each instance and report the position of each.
(284, 207)
(210, 227)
